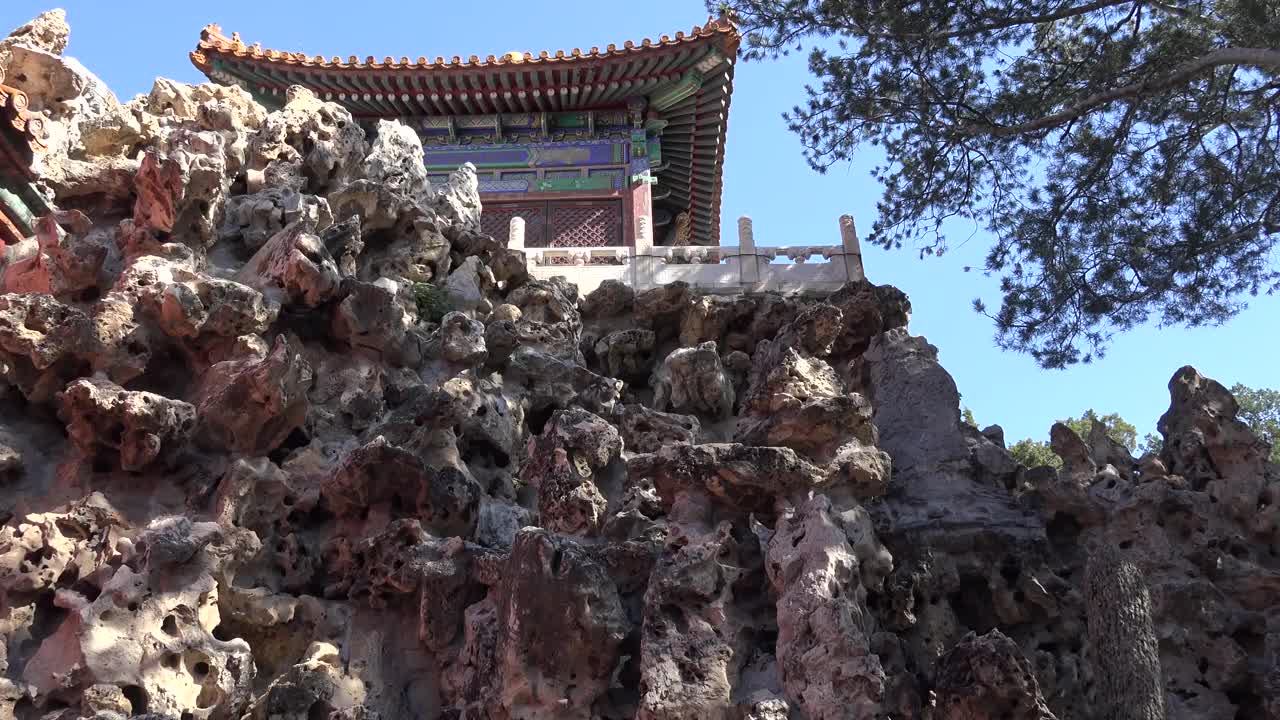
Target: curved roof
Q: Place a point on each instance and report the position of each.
(214, 43)
(696, 111)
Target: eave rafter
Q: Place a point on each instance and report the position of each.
(686, 79)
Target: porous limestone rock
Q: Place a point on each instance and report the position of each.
(371, 319)
(987, 677)
(293, 268)
(645, 430)
(560, 629)
(567, 465)
(745, 478)
(254, 219)
(309, 145)
(462, 340)
(42, 344)
(395, 159)
(627, 353)
(610, 299)
(66, 259)
(181, 187)
(700, 619)
(139, 426)
(148, 629)
(824, 651)
(692, 380)
(382, 479)
(47, 31)
(250, 406)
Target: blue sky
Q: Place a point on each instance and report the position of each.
(129, 43)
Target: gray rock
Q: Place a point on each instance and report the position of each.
(692, 380)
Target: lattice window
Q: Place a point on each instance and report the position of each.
(495, 220)
(586, 225)
(557, 223)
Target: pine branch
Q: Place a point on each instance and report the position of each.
(1251, 57)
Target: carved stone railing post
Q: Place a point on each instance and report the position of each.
(852, 248)
(748, 261)
(644, 254)
(515, 237)
(515, 240)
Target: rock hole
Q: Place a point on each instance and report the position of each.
(676, 614)
(170, 625)
(1062, 531)
(1126, 544)
(537, 419)
(1011, 570)
(296, 440)
(133, 607)
(319, 710)
(200, 669)
(1202, 665)
(209, 696)
(137, 698)
(1248, 703)
(1252, 643)
(170, 660)
(972, 604)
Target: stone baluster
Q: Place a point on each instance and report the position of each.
(644, 250)
(748, 261)
(852, 249)
(515, 237)
(515, 240)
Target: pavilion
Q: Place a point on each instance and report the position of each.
(622, 146)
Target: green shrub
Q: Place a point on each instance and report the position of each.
(433, 302)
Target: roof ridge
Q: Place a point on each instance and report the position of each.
(213, 40)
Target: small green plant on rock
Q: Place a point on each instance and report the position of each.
(432, 300)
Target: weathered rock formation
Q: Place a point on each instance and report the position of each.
(284, 435)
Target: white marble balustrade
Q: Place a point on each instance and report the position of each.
(724, 269)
